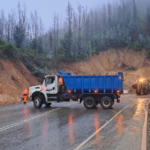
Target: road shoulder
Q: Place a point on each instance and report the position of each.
(148, 128)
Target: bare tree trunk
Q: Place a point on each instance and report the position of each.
(2, 24)
(57, 29)
(69, 13)
(54, 35)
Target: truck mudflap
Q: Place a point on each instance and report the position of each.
(118, 100)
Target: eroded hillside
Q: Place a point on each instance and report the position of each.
(111, 62)
(14, 78)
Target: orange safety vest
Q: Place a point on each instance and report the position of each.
(25, 92)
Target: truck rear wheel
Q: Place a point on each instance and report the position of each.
(37, 102)
(106, 102)
(89, 102)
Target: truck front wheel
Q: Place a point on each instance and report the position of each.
(37, 102)
(89, 102)
(106, 102)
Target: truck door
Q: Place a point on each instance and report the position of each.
(51, 86)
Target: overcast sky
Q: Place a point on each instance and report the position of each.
(46, 8)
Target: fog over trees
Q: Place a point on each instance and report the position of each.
(124, 23)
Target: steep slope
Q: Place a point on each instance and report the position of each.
(14, 78)
(112, 62)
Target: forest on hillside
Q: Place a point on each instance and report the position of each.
(124, 23)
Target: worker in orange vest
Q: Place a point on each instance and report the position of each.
(25, 95)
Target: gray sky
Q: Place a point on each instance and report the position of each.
(46, 8)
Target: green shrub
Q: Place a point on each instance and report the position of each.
(136, 46)
(7, 50)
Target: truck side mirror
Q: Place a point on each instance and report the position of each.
(45, 83)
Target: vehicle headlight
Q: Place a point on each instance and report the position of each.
(141, 80)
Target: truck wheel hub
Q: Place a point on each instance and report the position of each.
(106, 102)
(89, 102)
(36, 102)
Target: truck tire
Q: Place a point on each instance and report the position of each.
(138, 93)
(106, 102)
(37, 102)
(89, 102)
(48, 104)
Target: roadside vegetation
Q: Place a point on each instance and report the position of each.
(7, 50)
(86, 32)
(29, 58)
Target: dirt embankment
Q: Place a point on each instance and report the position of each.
(14, 78)
(112, 62)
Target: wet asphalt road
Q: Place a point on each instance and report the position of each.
(69, 126)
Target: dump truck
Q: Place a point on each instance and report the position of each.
(91, 90)
(141, 86)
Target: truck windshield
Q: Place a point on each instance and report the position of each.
(49, 80)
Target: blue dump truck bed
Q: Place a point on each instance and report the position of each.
(91, 84)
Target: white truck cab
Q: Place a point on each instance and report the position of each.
(45, 93)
